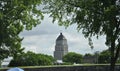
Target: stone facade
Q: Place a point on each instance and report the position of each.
(89, 59)
(61, 47)
(71, 68)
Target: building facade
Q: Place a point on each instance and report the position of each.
(61, 47)
(90, 59)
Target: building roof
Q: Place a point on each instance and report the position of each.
(61, 37)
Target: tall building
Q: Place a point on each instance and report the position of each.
(61, 47)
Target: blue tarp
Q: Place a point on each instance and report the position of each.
(15, 69)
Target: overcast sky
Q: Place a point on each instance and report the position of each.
(41, 39)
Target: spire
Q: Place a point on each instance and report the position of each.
(60, 33)
(61, 37)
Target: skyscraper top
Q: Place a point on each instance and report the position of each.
(61, 37)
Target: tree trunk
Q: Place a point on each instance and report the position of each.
(112, 65)
(0, 63)
(115, 50)
(114, 59)
(112, 50)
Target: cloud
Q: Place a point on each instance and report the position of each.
(41, 39)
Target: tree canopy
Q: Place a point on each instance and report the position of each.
(32, 59)
(72, 57)
(88, 54)
(104, 57)
(93, 17)
(16, 15)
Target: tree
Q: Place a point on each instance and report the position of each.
(32, 59)
(45, 59)
(93, 17)
(52, 59)
(3, 54)
(104, 57)
(26, 59)
(16, 15)
(88, 54)
(72, 57)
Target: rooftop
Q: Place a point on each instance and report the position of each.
(61, 37)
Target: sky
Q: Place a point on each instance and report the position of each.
(41, 39)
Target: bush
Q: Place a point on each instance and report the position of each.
(32, 59)
(72, 58)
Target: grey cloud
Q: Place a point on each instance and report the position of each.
(42, 38)
(45, 28)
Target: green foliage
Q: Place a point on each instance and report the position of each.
(16, 15)
(118, 61)
(93, 17)
(67, 63)
(104, 57)
(88, 54)
(32, 59)
(72, 57)
(3, 54)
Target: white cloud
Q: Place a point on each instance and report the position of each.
(41, 39)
